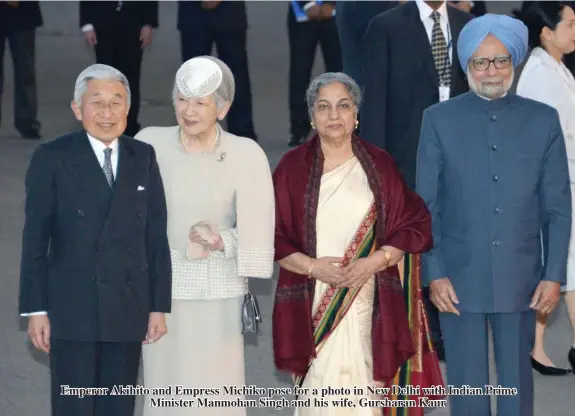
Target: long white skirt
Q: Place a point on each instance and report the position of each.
(204, 348)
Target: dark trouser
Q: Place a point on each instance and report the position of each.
(88, 364)
(22, 48)
(352, 18)
(432, 317)
(467, 359)
(232, 50)
(119, 46)
(351, 39)
(303, 40)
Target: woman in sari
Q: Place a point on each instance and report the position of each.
(344, 317)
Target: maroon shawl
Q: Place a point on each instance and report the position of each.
(403, 221)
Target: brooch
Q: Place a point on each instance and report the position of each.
(222, 157)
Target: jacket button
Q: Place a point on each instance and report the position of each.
(493, 118)
(494, 148)
(496, 243)
(495, 178)
(140, 215)
(497, 210)
(80, 213)
(99, 247)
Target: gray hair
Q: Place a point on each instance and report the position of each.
(332, 78)
(227, 89)
(100, 72)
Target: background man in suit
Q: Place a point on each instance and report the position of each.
(492, 169)
(352, 19)
(203, 23)
(96, 271)
(410, 64)
(18, 23)
(119, 31)
(304, 36)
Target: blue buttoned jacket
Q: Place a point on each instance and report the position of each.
(494, 175)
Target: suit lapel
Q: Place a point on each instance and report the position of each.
(422, 47)
(125, 183)
(455, 27)
(90, 178)
(566, 76)
(86, 169)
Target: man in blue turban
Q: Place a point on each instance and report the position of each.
(511, 32)
(492, 169)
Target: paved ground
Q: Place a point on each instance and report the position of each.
(24, 378)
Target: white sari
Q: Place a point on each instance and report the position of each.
(345, 358)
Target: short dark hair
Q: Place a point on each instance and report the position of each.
(542, 14)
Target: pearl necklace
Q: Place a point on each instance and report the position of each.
(216, 141)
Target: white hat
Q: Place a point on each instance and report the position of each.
(198, 77)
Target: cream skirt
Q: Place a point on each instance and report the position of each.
(204, 348)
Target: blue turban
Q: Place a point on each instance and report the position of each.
(511, 32)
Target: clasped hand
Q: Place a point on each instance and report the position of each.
(216, 244)
(353, 275)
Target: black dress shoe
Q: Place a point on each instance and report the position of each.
(548, 371)
(572, 358)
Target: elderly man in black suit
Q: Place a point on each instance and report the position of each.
(119, 31)
(96, 271)
(18, 23)
(410, 63)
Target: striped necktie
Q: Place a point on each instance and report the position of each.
(108, 167)
(440, 52)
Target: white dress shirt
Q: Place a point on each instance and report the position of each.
(98, 148)
(425, 12)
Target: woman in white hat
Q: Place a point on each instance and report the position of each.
(220, 200)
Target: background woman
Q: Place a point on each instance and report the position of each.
(220, 201)
(545, 78)
(344, 219)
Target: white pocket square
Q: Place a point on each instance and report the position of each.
(141, 188)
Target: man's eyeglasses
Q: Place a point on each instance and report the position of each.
(482, 64)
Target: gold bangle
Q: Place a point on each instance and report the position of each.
(386, 254)
(310, 269)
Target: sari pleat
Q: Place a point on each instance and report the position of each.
(342, 317)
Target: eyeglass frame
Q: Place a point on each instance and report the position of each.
(491, 61)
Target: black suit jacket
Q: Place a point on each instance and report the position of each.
(400, 81)
(96, 260)
(104, 14)
(26, 16)
(229, 16)
(352, 20)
